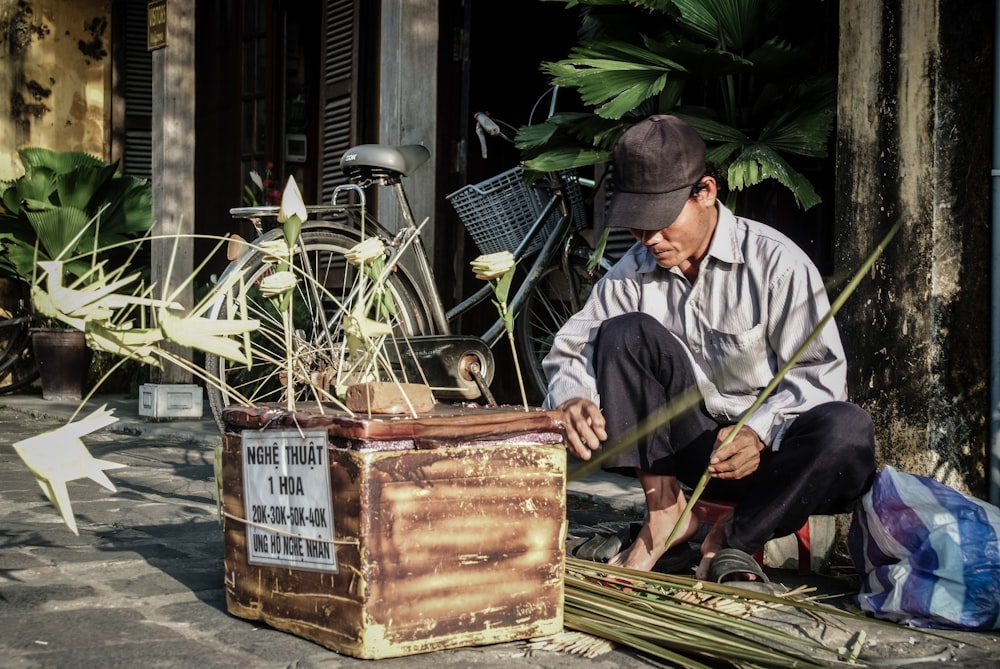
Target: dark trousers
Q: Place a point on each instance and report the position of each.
(825, 462)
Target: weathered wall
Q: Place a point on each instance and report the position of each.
(914, 137)
(55, 77)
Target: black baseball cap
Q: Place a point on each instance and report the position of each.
(656, 162)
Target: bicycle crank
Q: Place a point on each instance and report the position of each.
(454, 366)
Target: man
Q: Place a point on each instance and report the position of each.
(710, 303)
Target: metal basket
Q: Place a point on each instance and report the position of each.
(499, 212)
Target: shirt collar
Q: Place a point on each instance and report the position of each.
(725, 245)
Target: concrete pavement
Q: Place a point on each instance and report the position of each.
(142, 585)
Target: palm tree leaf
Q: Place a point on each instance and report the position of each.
(137, 205)
(721, 154)
(731, 23)
(78, 187)
(758, 162)
(568, 139)
(628, 97)
(58, 229)
(60, 162)
(37, 184)
(621, 53)
(710, 129)
(780, 60)
(699, 60)
(728, 56)
(566, 158)
(804, 134)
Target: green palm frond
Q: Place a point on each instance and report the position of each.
(732, 24)
(568, 140)
(692, 623)
(68, 204)
(801, 134)
(725, 66)
(58, 228)
(560, 159)
(60, 162)
(759, 162)
(79, 187)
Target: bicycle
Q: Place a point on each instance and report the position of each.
(17, 366)
(542, 220)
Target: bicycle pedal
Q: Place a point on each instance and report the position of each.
(443, 362)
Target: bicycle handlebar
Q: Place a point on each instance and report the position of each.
(486, 125)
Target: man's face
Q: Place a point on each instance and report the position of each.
(685, 241)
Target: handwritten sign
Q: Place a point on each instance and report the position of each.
(286, 489)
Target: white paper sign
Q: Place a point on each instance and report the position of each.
(286, 489)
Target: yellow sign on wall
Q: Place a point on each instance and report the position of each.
(156, 25)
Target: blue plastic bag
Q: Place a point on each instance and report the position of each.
(927, 554)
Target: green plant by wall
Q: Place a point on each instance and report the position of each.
(750, 76)
(73, 207)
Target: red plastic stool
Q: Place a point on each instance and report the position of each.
(711, 511)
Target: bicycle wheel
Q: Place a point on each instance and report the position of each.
(17, 364)
(556, 296)
(319, 344)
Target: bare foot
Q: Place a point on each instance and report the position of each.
(650, 545)
(712, 544)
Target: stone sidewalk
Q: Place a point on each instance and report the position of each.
(142, 585)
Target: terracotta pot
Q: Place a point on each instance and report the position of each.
(63, 362)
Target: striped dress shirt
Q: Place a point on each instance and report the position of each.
(756, 298)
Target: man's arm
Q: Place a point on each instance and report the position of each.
(569, 365)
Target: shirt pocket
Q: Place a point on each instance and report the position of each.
(739, 361)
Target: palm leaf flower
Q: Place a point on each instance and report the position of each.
(498, 270)
(369, 256)
(99, 305)
(59, 455)
(279, 286)
(363, 332)
(92, 297)
(95, 307)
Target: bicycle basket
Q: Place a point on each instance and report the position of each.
(499, 212)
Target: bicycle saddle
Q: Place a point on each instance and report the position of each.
(376, 158)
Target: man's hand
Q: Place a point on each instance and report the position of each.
(739, 458)
(584, 426)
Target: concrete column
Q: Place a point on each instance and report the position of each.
(913, 143)
(408, 99)
(173, 165)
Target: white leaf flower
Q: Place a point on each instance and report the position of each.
(365, 252)
(493, 265)
(291, 203)
(274, 251)
(277, 284)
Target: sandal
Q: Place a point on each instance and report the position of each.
(730, 566)
(601, 547)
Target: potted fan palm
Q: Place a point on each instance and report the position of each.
(76, 209)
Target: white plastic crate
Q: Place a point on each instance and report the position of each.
(170, 400)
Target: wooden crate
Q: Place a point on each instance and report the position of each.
(447, 530)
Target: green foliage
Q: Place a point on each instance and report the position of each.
(764, 104)
(70, 206)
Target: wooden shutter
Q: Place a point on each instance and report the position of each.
(137, 145)
(339, 100)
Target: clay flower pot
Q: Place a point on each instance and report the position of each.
(63, 359)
